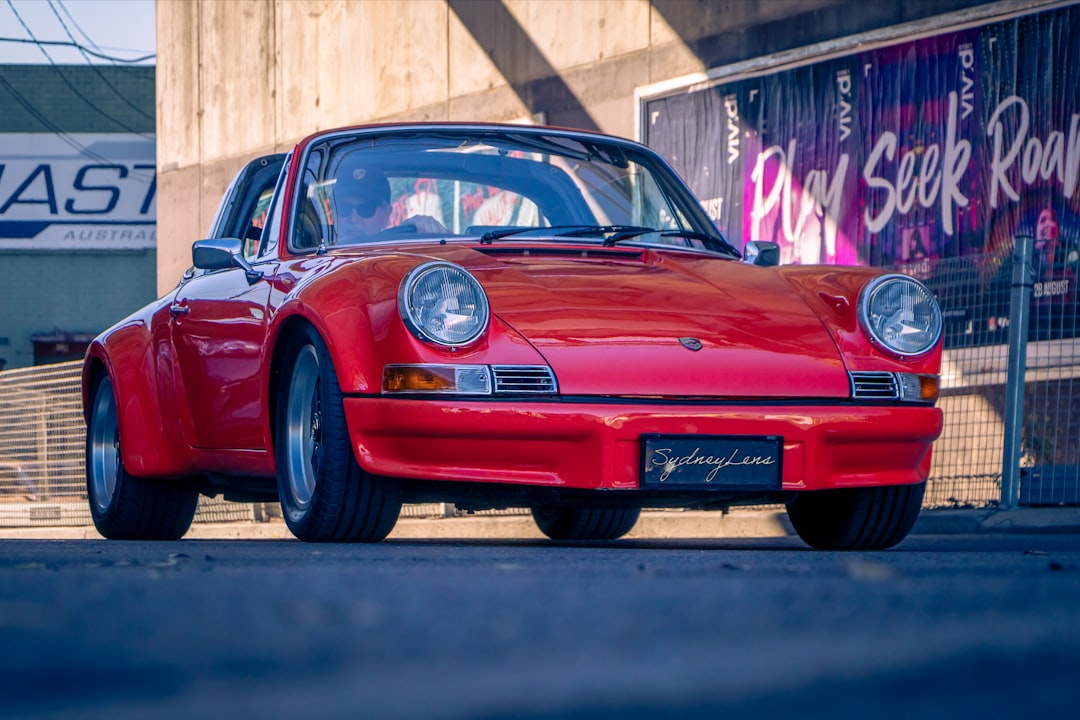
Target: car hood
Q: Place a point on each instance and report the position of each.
(664, 324)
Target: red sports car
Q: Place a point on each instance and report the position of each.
(499, 315)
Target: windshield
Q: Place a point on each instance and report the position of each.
(494, 185)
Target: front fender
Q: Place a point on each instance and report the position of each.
(833, 293)
(353, 305)
(151, 445)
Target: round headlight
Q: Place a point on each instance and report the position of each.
(901, 314)
(442, 303)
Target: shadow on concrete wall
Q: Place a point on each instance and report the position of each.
(716, 33)
(516, 56)
(725, 33)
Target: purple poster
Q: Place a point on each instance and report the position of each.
(800, 185)
(942, 147)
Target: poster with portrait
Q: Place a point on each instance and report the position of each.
(940, 147)
(929, 156)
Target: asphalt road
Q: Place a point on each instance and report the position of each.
(958, 626)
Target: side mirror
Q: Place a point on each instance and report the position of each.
(762, 252)
(216, 253)
(222, 254)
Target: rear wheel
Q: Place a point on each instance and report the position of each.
(123, 506)
(325, 495)
(569, 523)
(856, 518)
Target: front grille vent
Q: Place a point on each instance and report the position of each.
(524, 379)
(874, 386)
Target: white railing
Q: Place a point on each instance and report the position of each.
(42, 457)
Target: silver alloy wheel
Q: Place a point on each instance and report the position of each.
(104, 447)
(303, 431)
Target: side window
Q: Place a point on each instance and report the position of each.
(227, 200)
(256, 223)
(312, 214)
(272, 229)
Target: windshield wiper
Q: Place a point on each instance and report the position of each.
(612, 233)
(491, 235)
(712, 240)
(618, 233)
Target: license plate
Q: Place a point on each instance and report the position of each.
(701, 462)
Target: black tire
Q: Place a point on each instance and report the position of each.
(856, 518)
(568, 523)
(123, 506)
(325, 495)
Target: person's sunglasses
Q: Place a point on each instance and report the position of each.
(365, 207)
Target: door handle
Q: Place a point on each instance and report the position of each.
(176, 310)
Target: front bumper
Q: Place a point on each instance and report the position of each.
(597, 446)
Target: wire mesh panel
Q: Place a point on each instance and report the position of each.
(966, 464)
(41, 433)
(1050, 442)
(975, 296)
(42, 452)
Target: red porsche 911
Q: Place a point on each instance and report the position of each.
(497, 316)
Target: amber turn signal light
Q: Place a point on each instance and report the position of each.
(929, 387)
(417, 379)
(427, 378)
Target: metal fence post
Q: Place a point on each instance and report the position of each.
(1023, 276)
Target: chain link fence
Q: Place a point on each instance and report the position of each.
(42, 432)
(977, 295)
(42, 460)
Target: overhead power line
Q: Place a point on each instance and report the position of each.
(37, 114)
(65, 137)
(40, 117)
(63, 43)
(75, 24)
(90, 103)
(93, 67)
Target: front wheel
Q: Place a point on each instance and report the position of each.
(569, 523)
(123, 506)
(325, 495)
(872, 518)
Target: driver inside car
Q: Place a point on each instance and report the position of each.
(362, 197)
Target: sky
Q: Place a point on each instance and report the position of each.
(121, 29)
